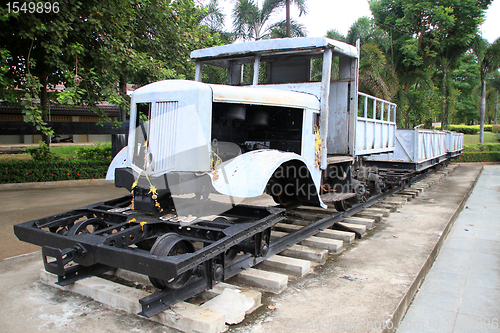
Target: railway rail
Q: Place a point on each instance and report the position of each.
(101, 238)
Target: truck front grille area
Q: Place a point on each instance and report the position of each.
(156, 136)
(162, 135)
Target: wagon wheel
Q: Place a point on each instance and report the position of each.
(146, 244)
(285, 200)
(87, 227)
(168, 245)
(342, 205)
(61, 230)
(232, 252)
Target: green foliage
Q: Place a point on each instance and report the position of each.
(376, 73)
(32, 112)
(466, 80)
(213, 16)
(98, 151)
(428, 38)
(467, 129)
(44, 171)
(489, 137)
(278, 29)
(64, 151)
(366, 30)
(334, 34)
(481, 153)
(481, 147)
(488, 156)
(495, 128)
(41, 153)
(251, 22)
(91, 47)
(377, 77)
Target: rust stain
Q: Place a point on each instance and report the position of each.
(249, 95)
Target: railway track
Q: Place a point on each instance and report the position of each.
(293, 253)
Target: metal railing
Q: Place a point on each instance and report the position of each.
(376, 127)
(381, 109)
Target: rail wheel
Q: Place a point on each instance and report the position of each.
(87, 227)
(284, 199)
(342, 205)
(167, 245)
(147, 244)
(231, 253)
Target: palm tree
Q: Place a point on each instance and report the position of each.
(335, 34)
(253, 23)
(376, 74)
(489, 59)
(213, 17)
(495, 83)
(302, 8)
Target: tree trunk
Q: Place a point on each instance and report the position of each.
(288, 18)
(44, 105)
(496, 108)
(123, 92)
(444, 95)
(482, 110)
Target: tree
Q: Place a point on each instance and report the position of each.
(213, 16)
(376, 73)
(93, 48)
(253, 23)
(465, 80)
(495, 82)
(430, 34)
(334, 34)
(35, 46)
(303, 10)
(489, 60)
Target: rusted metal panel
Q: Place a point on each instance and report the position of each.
(311, 88)
(247, 175)
(342, 105)
(338, 126)
(178, 131)
(119, 161)
(264, 96)
(333, 197)
(415, 146)
(454, 142)
(275, 46)
(162, 132)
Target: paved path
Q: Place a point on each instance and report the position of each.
(362, 286)
(21, 205)
(461, 293)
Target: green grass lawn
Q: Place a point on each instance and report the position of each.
(65, 152)
(489, 151)
(15, 157)
(489, 137)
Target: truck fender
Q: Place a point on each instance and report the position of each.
(247, 175)
(120, 161)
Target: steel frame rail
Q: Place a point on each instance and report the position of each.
(109, 248)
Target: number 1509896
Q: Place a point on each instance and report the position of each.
(33, 7)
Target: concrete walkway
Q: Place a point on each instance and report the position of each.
(461, 293)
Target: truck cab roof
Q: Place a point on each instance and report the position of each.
(303, 46)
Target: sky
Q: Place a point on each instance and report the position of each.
(339, 15)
